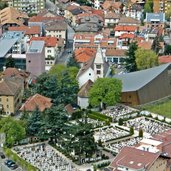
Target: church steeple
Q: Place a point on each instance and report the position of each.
(99, 64)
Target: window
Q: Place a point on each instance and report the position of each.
(0, 99)
(29, 61)
(7, 99)
(98, 72)
(7, 106)
(98, 66)
(49, 51)
(89, 74)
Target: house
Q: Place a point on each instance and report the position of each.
(56, 29)
(71, 13)
(144, 86)
(35, 58)
(145, 44)
(135, 11)
(128, 29)
(36, 101)
(28, 31)
(93, 69)
(84, 55)
(129, 21)
(87, 28)
(124, 40)
(83, 97)
(11, 92)
(131, 158)
(41, 20)
(30, 7)
(115, 56)
(155, 20)
(111, 19)
(46, 13)
(53, 47)
(11, 17)
(150, 154)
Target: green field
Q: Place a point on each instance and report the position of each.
(162, 108)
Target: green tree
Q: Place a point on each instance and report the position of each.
(120, 122)
(105, 92)
(156, 45)
(13, 129)
(148, 7)
(145, 59)
(72, 62)
(3, 5)
(168, 14)
(167, 50)
(34, 123)
(131, 131)
(10, 62)
(130, 60)
(140, 133)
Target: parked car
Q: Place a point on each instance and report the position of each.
(9, 162)
(13, 166)
(2, 155)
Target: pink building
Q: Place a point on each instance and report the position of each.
(35, 58)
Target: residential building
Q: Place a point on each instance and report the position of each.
(11, 17)
(11, 92)
(28, 31)
(151, 154)
(111, 19)
(53, 46)
(29, 6)
(144, 86)
(83, 97)
(128, 29)
(115, 56)
(11, 43)
(36, 101)
(56, 29)
(129, 21)
(161, 6)
(154, 20)
(93, 69)
(35, 58)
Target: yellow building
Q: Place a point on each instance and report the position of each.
(161, 5)
(11, 92)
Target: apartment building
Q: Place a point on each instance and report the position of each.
(29, 6)
(161, 6)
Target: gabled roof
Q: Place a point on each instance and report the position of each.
(49, 41)
(56, 26)
(133, 158)
(86, 66)
(27, 30)
(115, 52)
(9, 87)
(125, 28)
(165, 59)
(44, 19)
(36, 101)
(145, 44)
(142, 78)
(99, 56)
(111, 15)
(128, 20)
(155, 16)
(11, 15)
(85, 89)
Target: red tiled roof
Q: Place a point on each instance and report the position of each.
(115, 52)
(42, 19)
(28, 30)
(165, 59)
(125, 28)
(145, 44)
(131, 157)
(49, 41)
(84, 54)
(35, 101)
(126, 35)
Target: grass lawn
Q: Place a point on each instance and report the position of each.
(162, 108)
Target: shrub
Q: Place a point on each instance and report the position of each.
(120, 122)
(140, 133)
(131, 130)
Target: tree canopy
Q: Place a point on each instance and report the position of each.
(145, 59)
(148, 7)
(105, 91)
(9, 62)
(156, 45)
(167, 50)
(13, 129)
(130, 61)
